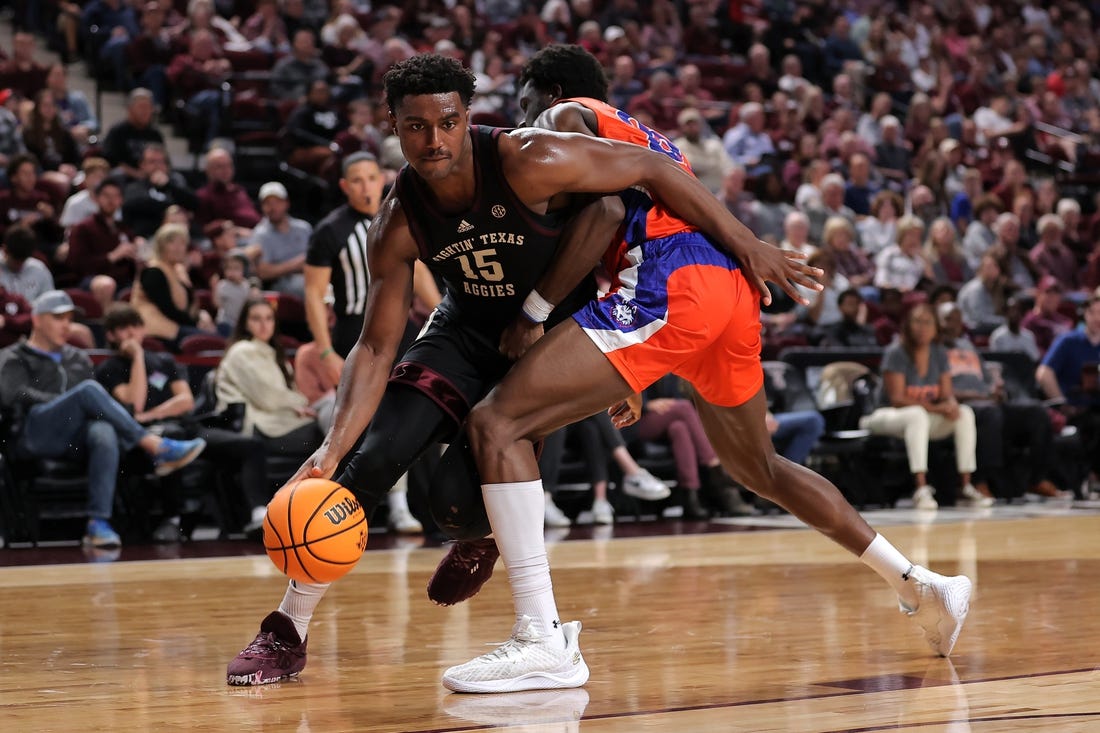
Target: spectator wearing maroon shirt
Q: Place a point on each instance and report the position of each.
(1044, 320)
(21, 72)
(149, 53)
(361, 136)
(656, 102)
(101, 251)
(197, 78)
(222, 198)
(24, 204)
(1052, 257)
(15, 317)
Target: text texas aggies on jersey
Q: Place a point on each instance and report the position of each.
(491, 255)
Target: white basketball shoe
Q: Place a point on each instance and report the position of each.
(527, 661)
(944, 603)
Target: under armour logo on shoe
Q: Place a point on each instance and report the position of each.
(464, 226)
(557, 624)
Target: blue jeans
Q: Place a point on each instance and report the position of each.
(798, 433)
(85, 422)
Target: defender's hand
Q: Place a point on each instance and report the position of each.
(767, 263)
(627, 412)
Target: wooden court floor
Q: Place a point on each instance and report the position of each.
(747, 631)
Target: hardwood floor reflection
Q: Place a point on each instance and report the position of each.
(751, 631)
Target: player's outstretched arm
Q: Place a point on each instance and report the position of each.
(391, 254)
(548, 163)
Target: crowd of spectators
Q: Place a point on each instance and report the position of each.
(915, 151)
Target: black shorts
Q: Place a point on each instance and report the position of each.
(451, 363)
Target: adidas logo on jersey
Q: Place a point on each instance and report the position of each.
(464, 226)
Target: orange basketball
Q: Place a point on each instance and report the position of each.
(315, 531)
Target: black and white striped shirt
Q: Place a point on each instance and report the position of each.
(340, 242)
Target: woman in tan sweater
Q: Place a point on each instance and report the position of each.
(163, 294)
(255, 371)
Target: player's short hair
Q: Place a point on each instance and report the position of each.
(575, 70)
(360, 157)
(428, 73)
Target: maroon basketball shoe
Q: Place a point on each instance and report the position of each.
(463, 570)
(275, 654)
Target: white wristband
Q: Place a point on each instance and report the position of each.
(536, 308)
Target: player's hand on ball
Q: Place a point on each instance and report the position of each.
(519, 337)
(322, 464)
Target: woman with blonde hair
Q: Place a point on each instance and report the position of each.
(944, 251)
(902, 265)
(163, 293)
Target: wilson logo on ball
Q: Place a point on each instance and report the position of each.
(342, 511)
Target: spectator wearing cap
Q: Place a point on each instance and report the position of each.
(60, 411)
(157, 186)
(102, 250)
(702, 149)
(1045, 319)
(82, 204)
(21, 273)
(283, 242)
(292, 75)
(1052, 257)
(222, 197)
(127, 139)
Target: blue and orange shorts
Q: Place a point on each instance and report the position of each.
(685, 307)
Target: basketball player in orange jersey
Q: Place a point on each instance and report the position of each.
(679, 303)
(482, 209)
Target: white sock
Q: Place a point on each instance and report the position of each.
(398, 500)
(516, 513)
(300, 602)
(887, 561)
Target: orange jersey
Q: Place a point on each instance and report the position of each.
(657, 222)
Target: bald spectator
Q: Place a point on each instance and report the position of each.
(223, 198)
(126, 139)
(655, 102)
(292, 75)
(702, 149)
(747, 142)
(623, 85)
